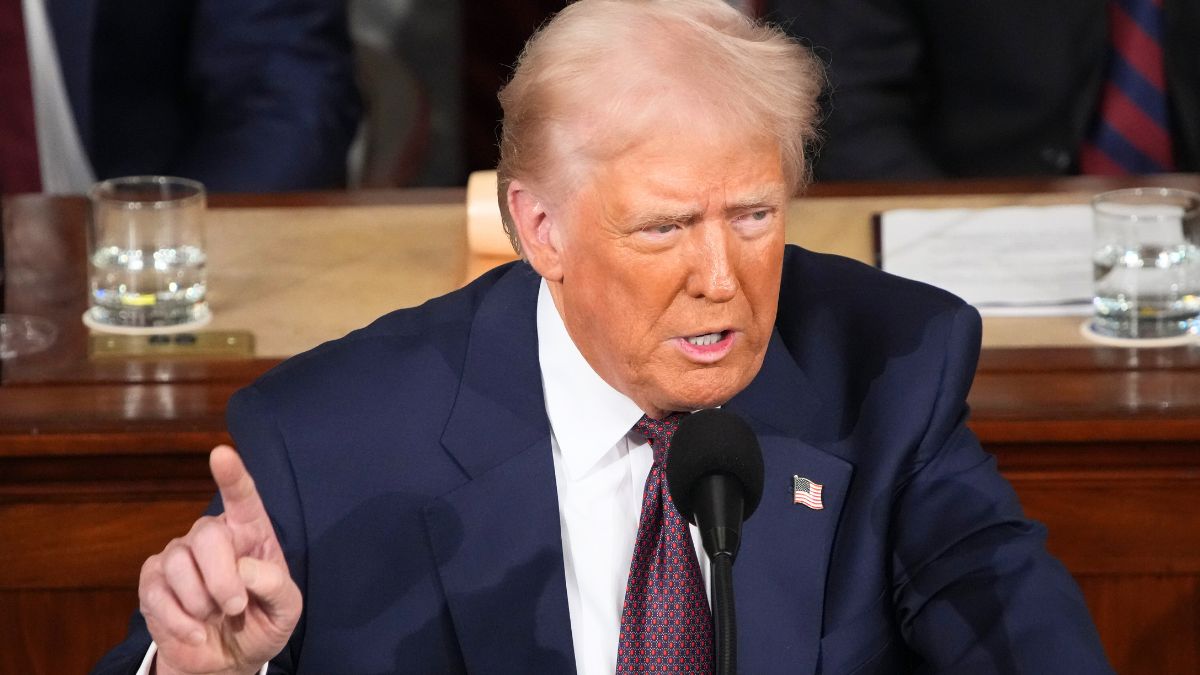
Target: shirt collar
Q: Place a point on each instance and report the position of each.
(587, 416)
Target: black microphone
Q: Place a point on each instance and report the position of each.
(715, 477)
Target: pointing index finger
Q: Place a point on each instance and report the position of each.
(243, 505)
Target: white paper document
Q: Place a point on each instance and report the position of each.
(1007, 261)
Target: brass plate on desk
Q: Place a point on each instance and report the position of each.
(204, 344)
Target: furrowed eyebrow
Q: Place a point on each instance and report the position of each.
(651, 220)
(753, 201)
(757, 201)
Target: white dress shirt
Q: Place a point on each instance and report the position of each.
(600, 468)
(63, 163)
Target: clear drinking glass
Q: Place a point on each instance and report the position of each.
(1146, 262)
(147, 267)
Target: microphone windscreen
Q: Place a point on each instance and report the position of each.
(714, 441)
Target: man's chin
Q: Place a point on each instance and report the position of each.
(709, 396)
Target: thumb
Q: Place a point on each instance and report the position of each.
(271, 585)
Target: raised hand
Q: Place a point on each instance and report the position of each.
(220, 599)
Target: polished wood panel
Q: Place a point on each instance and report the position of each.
(60, 632)
(1151, 530)
(1137, 615)
(103, 547)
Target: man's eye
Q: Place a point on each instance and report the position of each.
(664, 228)
(761, 216)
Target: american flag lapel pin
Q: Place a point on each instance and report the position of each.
(807, 492)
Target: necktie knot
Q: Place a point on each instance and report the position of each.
(659, 433)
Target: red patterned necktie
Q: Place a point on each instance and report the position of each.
(1131, 133)
(666, 626)
(19, 169)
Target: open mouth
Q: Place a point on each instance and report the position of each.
(707, 339)
(707, 347)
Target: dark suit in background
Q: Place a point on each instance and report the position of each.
(243, 95)
(409, 474)
(946, 88)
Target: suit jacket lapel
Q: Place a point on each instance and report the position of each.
(496, 538)
(779, 577)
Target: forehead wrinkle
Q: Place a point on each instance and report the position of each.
(661, 195)
(660, 201)
(664, 203)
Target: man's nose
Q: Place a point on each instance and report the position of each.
(712, 274)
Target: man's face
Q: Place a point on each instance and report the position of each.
(671, 260)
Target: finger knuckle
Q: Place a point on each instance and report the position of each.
(172, 546)
(198, 605)
(213, 536)
(176, 562)
(151, 597)
(220, 575)
(202, 523)
(223, 588)
(150, 567)
(180, 625)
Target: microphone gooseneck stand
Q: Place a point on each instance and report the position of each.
(724, 621)
(719, 503)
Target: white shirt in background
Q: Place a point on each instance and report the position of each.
(64, 164)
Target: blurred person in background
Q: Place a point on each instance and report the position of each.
(243, 95)
(925, 89)
(409, 55)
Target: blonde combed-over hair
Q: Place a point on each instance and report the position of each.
(602, 74)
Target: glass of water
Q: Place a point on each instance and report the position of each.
(1146, 260)
(147, 269)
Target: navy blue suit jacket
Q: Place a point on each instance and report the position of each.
(408, 470)
(243, 95)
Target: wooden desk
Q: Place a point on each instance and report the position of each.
(101, 462)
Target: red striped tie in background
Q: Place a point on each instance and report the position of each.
(1131, 133)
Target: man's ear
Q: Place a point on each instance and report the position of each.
(539, 230)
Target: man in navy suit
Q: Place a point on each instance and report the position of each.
(455, 488)
(243, 95)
